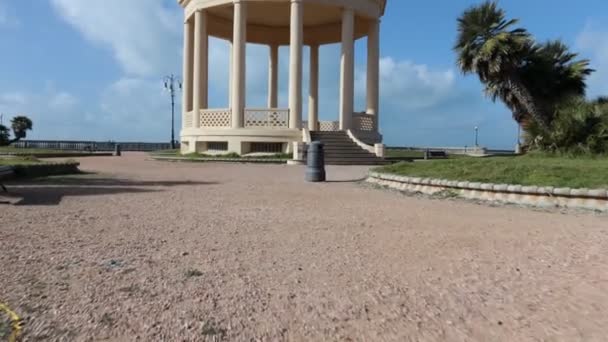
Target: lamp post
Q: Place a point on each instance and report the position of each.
(476, 136)
(171, 82)
(518, 145)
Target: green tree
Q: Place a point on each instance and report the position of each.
(4, 135)
(20, 126)
(551, 74)
(488, 45)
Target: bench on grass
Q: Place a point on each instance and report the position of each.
(5, 172)
(428, 154)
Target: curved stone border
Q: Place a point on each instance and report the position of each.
(594, 199)
(222, 160)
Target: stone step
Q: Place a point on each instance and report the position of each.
(341, 150)
(335, 141)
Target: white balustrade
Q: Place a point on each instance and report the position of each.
(216, 118)
(329, 126)
(364, 122)
(273, 118)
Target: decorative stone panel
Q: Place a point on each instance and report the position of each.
(267, 118)
(364, 122)
(329, 126)
(216, 118)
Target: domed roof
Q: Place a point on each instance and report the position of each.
(268, 20)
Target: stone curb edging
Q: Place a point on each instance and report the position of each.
(222, 160)
(594, 199)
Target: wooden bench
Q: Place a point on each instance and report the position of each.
(428, 154)
(5, 172)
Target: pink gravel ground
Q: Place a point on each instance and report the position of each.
(154, 251)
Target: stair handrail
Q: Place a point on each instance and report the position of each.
(306, 135)
(377, 149)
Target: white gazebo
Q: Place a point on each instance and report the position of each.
(294, 23)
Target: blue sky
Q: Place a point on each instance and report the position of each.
(86, 69)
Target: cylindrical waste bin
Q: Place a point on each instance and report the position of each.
(315, 162)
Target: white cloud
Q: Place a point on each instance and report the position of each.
(7, 17)
(62, 101)
(593, 41)
(12, 98)
(409, 86)
(142, 34)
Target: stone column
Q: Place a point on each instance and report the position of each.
(239, 41)
(373, 71)
(347, 69)
(295, 65)
(200, 77)
(230, 66)
(188, 61)
(313, 92)
(273, 77)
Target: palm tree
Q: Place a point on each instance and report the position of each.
(4, 135)
(490, 47)
(20, 126)
(602, 100)
(553, 74)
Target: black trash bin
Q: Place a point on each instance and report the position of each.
(315, 162)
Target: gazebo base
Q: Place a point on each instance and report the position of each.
(240, 141)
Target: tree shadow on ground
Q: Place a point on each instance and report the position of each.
(51, 190)
(356, 180)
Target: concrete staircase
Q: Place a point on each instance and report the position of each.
(341, 150)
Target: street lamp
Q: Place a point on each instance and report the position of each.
(476, 136)
(171, 82)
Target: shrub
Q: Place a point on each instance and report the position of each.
(579, 127)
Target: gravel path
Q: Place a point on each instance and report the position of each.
(154, 251)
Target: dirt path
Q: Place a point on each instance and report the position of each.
(161, 251)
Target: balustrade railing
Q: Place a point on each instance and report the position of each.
(216, 118)
(272, 118)
(329, 126)
(364, 122)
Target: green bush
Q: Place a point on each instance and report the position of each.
(579, 127)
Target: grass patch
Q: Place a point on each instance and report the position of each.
(17, 150)
(532, 169)
(406, 154)
(175, 152)
(18, 160)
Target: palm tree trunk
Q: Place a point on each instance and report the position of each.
(12, 141)
(527, 101)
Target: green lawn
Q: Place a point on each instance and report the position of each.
(539, 170)
(10, 149)
(392, 153)
(13, 161)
